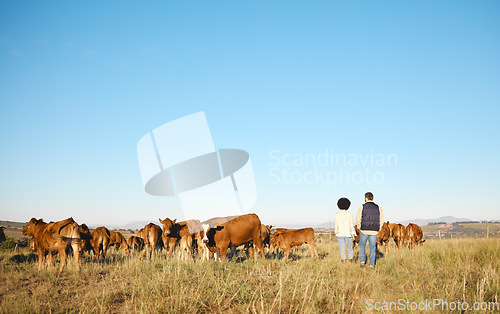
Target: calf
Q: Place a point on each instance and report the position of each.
(414, 235)
(151, 234)
(383, 236)
(179, 232)
(136, 243)
(2, 234)
(86, 243)
(285, 239)
(100, 242)
(398, 233)
(355, 239)
(118, 241)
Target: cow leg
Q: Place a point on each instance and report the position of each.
(96, 251)
(76, 253)
(223, 250)
(287, 252)
(232, 249)
(171, 245)
(189, 247)
(206, 252)
(182, 246)
(251, 250)
(62, 257)
(41, 259)
(50, 259)
(314, 249)
(260, 246)
(202, 252)
(183, 243)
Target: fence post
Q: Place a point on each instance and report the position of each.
(330, 229)
(487, 231)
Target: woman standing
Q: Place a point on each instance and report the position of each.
(344, 228)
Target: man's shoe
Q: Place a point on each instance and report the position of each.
(362, 265)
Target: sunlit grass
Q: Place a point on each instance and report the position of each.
(458, 269)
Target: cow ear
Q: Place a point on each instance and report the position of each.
(173, 221)
(219, 228)
(161, 221)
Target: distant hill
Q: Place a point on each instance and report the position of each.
(139, 224)
(424, 222)
(12, 224)
(420, 222)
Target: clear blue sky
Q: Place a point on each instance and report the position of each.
(81, 83)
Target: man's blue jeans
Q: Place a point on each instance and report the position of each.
(343, 242)
(372, 241)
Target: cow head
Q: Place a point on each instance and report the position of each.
(167, 224)
(274, 238)
(209, 233)
(86, 236)
(30, 227)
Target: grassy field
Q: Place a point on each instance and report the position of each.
(449, 270)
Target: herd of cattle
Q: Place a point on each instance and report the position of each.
(410, 235)
(206, 239)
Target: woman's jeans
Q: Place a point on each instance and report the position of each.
(343, 242)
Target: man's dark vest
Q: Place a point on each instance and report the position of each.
(370, 217)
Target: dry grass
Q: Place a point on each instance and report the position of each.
(458, 269)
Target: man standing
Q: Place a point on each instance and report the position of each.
(370, 218)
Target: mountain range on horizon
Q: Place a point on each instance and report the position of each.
(134, 225)
(420, 222)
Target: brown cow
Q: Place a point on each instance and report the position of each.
(398, 234)
(355, 239)
(151, 234)
(136, 243)
(203, 250)
(54, 237)
(414, 235)
(383, 236)
(179, 232)
(118, 241)
(2, 234)
(265, 232)
(86, 244)
(100, 242)
(285, 239)
(236, 232)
